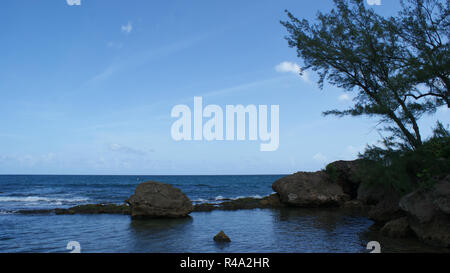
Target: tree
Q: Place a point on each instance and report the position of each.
(424, 26)
(354, 48)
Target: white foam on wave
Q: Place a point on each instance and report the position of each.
(5, 212)
(256, 196)
(40, 199)
(200, 200)
(221, 198)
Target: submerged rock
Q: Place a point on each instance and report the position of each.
(155, 200)
(306, 189)
(428, 213)
(222, 237)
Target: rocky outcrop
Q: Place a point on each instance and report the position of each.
(371, 194)
(96, 209)
(305, 189)
(156, 200)
(271, 201)
(222, 237)
(83, 209)
(345, 174)
(398, 228)
(428, 212)
(383, 201)
(385, 211)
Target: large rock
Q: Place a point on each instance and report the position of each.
(428, 213)
(345, 174)
(386, 210)
(398, 228)
(305, 189)
(372, 194)
(154, 200)
(383, 201)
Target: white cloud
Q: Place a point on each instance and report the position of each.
(127, 28)
(320, 157)
(289, 67)
(344, 97)
(73, 2)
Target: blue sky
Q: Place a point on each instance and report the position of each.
(89, 89)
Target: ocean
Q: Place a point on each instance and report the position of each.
(261, 230)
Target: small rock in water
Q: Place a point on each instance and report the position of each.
(221, 237)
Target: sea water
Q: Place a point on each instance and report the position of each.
(258, 230)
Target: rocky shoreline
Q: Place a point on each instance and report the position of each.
(424, 213)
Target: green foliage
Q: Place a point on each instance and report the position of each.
(332, 172)
(407, 169)
(424, 26)
(387, 62)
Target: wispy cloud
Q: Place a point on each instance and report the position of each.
(105, 74)
(289, 67)
(125, 149)
(127, 28)
(142, 58)
(28, 160)
(241, 87)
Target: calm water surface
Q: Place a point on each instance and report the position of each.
(286, 230)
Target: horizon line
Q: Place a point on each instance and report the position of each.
(137, 174)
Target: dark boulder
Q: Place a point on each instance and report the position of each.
(156, 200)
(372, 194)
(428, 212)
(345, 174)
(307, 189)
(383, 201)
(398, 228)
(222, 237)
(386, 211)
